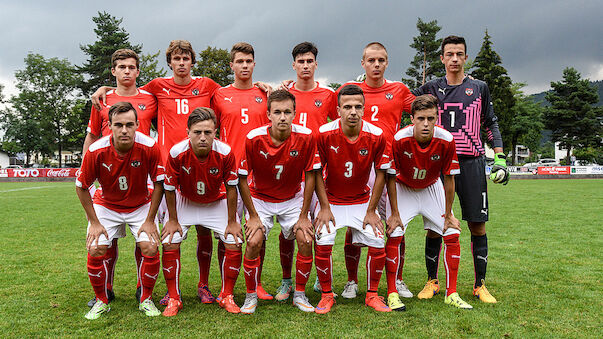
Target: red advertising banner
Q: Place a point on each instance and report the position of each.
(553, 170)
(39, 173)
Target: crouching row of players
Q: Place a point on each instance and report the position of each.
(284, 166)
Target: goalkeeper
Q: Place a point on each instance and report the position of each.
(465, 107)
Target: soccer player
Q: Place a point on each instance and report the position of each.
(465, 107)
(121, 162)
(422, 152)
(200, 189)
(125, 69)
(277, 156)
(349, 148)
(386, 101)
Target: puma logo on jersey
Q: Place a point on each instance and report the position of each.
(166, 90)
(265, 154)
(234, 268)
(233, 173)
(154, 277)
(443, 90)
(168, 269)
(323, 271)
(187, 170)
(432, 258)
(409, 155)
(302, 273)
(228, 99)
(95, 275)
(247, 273)
(483, 258)
(108, 167)
(336, 149)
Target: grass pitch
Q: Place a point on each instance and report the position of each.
(545, 268)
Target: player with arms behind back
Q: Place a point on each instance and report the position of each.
(121, 162)
(422, 152)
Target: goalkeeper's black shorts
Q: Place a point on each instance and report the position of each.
(472, 189)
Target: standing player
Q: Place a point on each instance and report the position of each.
(277, 156)
(349, 148)
(203, 171)
(386, 101)
(122, 163)
(421, 153)
(125, 69)
(240, 108)
(464, 107)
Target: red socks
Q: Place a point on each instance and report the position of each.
(251, 268)
(392, 262)
(452, 256)
(230, 270)
(287, 247)
(171, 272)
(204, 249)
(262, 255)
(111, 257)
(138, 258)
(303, 266)
(375, 261)
(402, 253)
(97, 272)
(149, 270)
(324, 267)
(221, 251)
(352, 256)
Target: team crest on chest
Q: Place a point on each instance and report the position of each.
(363, 152)
(214, 171)
(142, 107)
(435, 157)
(135, 163)
(293, 153)
(317, 103)
(259, 100)
(469, 91)
(195, 91)
(389, 96)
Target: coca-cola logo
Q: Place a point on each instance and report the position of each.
(63, 172)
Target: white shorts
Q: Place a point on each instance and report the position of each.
(350, 216)
(213, 216)
(286, 213)
(383, 198)
(430, 202)
(115, 223)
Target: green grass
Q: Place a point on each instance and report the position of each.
(545, 268)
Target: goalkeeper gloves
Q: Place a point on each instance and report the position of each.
(500, 173)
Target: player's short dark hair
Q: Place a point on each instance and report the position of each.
(349, 90)
(453, 40)
(179, 46)
(121, 107)
(303, 48)
(423, 102)
(242, 47)
(122, 54)
(201, 114)
(374, 44)
(280, 95)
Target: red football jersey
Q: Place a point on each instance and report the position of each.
(175, 103)
(144, 103)
(201, 181)
(383, 106)
(277, 170)
(123, 178)
(238, 112)
(348, 163)
(314, 107)
(418, 167)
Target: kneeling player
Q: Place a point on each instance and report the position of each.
(121, 162)
(203, 171)
(349, 147)
(278, 155)
(422, 152)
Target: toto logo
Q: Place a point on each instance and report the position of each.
(64, 172)
(26, 173)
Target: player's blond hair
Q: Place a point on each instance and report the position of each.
(122, 54)
(179, 46)
(423, 102)
(242, 47)
(375, 45)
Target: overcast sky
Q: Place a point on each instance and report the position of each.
(536, 39)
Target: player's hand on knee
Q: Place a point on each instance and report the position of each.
(149, 227)
(252, 226)
(234, 228)
(392, 223)
(170, 228)
(94, 232)
(305, 226)
(371, 218)
(323, 218)
(450, 221)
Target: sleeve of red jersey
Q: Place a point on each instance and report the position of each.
(382, 158)
(408, 99)
(172, 174)
(392, 170)
(230, 170)
(151, 87)
(452, 166)
(87, 171)
(313, 162)
(94, 123)
(212, 86)
(156, 167)
(245, 165)
(332, 107)
(320, 146)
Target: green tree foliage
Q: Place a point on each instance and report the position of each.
(526, 125)
(214, 63)
(487, 67)
(149, 69)
(572, 117)
(334, 85)
(45, 115)
(110, 37)
(426, 64)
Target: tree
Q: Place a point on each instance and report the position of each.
(526, 125)
(45, 115)
(334, 85)
(488, 68)
(149, 69)
(426, 64)
(214, 63)
(572, 117)
(110, 37)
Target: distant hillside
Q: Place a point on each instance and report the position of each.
(539, 97)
